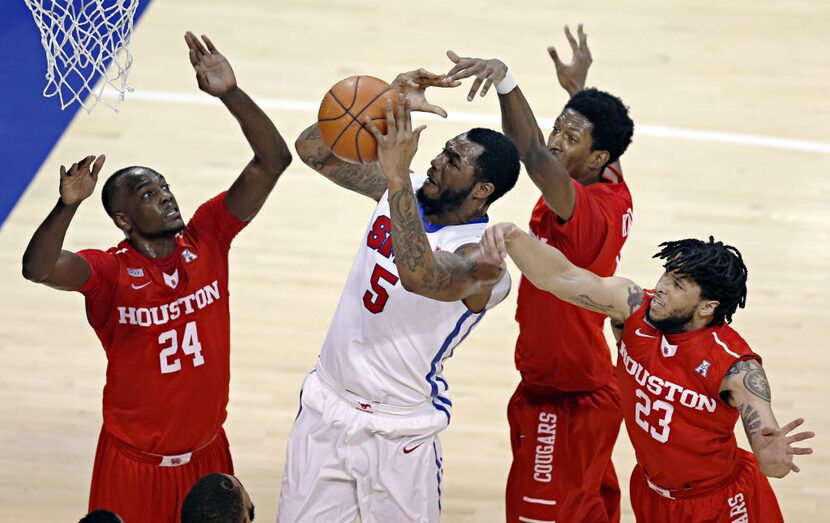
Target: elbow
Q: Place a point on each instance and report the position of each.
(32, 274)
(411, 283)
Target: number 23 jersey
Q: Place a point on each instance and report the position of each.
(165, 327)
(680, 428)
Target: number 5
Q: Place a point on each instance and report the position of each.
(375, 303)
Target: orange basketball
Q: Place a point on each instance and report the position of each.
(343, 112)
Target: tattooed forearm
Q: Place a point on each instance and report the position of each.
(412, 250)
(635, 298)
(585, 301)
(413, 254)
(362, 179)
(750, 418)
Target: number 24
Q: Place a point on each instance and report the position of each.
(190, 345)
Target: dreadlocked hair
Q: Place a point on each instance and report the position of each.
(718, 269)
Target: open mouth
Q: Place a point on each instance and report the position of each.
(172, 213)
(430, 181)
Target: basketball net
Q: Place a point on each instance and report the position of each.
(87, 44)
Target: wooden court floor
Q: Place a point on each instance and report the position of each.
(705, 80)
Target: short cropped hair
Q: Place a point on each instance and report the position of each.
(498, 164)
(612, 126)
(214, 498)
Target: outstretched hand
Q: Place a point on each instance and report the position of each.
(486, 72)
(413, 85)
(398, 146)
(77, 183)
(213, 71)
(774, 450)
(493, 244)
(572, 76)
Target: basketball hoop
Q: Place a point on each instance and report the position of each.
(87, 44)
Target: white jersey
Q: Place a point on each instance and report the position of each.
(386, 344)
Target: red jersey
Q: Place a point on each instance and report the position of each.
(562, 346)
(165, 327)
(681, 430)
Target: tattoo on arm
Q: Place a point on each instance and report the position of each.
(362, 179)
(755, 379)
(635, 298)
(412, 249)
(585, 301)
(750, 418)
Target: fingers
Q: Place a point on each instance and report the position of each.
(799, 451)
(454, 58)
(474, 88)
(571, 39)
(801, 436)
(486, 87)
(403, 119)
(555, 57)
(212, 48)
(583, 38)
(391, 128)
(198, 45)
(434, 109)
(370, 125)
(96, 167)
(417, 132)
(792, 425)
(63, 171)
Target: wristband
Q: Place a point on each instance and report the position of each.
(507, 84)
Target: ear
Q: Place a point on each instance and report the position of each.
(598, 159)
(483, 190)
(706, 308)
(122, 222)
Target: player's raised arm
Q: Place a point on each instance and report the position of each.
(366, 179)
(746, 388)
(519, 124)
(548, 269)
(44, 260)
(271, 154)
(444, 276)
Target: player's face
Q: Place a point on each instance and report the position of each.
(150, 206)
(675, 304)
(570, 142)
(451, 176)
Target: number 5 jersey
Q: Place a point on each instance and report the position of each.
(387, 344)
(164, 324)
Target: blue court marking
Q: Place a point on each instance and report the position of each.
(30, 124)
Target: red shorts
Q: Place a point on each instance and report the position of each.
(747, 498)
(142, 487)
(562, 445)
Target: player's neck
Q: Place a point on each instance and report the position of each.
(457, 216)
(160, 247)
(589, 178)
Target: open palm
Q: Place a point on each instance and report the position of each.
(213, 71)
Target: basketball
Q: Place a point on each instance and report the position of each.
(342, 114)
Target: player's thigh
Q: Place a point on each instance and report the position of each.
(315, 483)
(406, 485)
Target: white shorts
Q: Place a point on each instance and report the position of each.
(348, 457)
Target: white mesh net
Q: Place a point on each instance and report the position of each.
(87, 44)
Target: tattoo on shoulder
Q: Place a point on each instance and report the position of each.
(587, 302)
(635, 298)
(750, 418)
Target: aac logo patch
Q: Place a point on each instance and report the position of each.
(703, 368)
(188, 255)
(135, 273)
